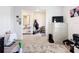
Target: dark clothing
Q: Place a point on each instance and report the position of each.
(36, 25)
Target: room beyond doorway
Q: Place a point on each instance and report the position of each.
(29, 16)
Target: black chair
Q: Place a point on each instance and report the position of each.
(70, 44)
(76, 40)
(50, 39)
(1, 44)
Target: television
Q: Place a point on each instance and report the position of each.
(57, 18)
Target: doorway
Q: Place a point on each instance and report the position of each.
(40, 17)
(28, 18)
(26, 24)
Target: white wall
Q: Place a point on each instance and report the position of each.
(17, 27)
(40, 17)
(8, 20)
(6, 23)
(50, 11)
(73, 23)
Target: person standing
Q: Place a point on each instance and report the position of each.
(36, 26)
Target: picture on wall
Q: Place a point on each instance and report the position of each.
(74, 12)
